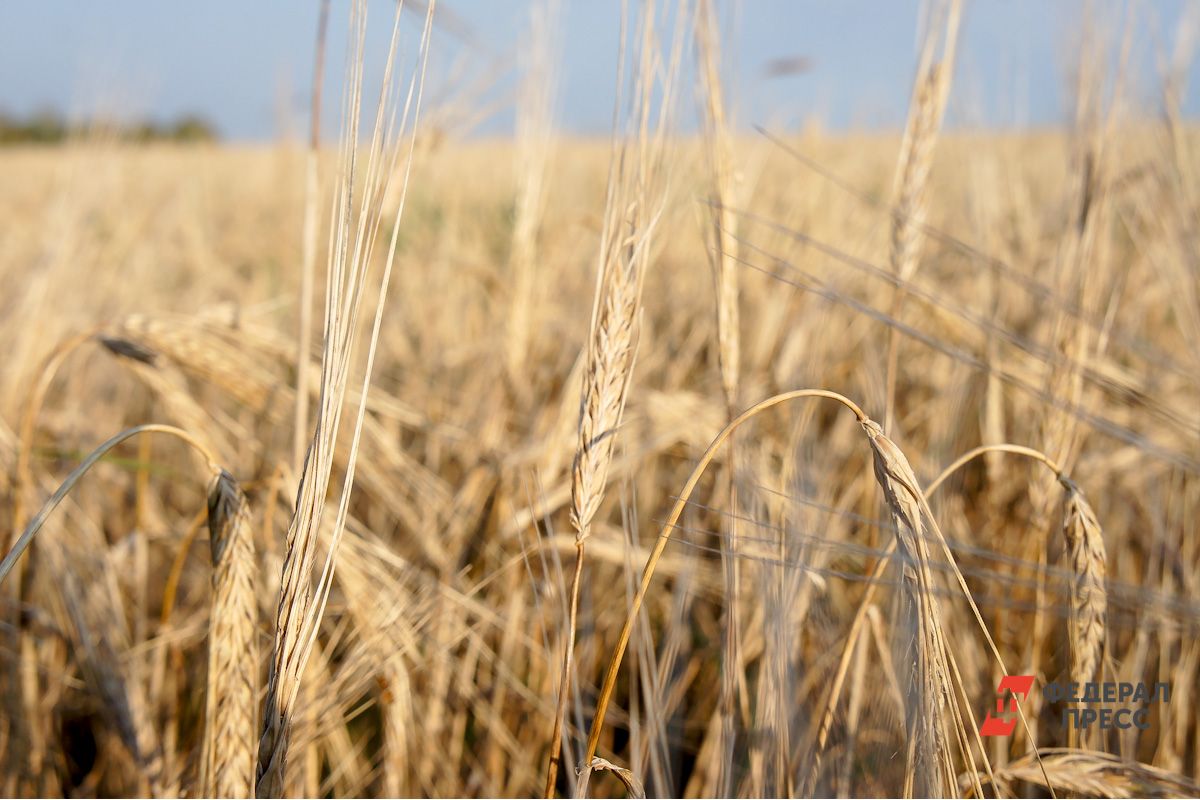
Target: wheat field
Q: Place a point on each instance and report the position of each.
(695, 462)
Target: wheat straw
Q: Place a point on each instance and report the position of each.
(300, 604)
(723, 256)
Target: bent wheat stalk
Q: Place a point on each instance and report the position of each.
(614, 664)
(928, 760)
(35, 524)
(825, 721)
(130, 715)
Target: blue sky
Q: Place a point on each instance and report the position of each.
(245, 64)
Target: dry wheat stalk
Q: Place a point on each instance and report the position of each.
(652, 561)
(397, 709)
(358, 213)
(308, 245)
(723, 254)
(633, 786)
(231, 700)
(1089, 599)
(1077, 273)
(98, 625)
(605, 387)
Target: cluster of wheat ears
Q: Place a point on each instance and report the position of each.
(464, 541)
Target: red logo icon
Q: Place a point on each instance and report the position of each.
(1014, 689)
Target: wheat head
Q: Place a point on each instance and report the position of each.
(930, 770)
(230, 714)
(1086, 561)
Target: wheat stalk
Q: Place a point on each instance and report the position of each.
(633, 786)
(723, 255)
(228, 754)
(301, 605)
(669, 526)
(722, 217)
(308, 245)
(397, 710)
(39, 519)
(125, 702)
(308, 264)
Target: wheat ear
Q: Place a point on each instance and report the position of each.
(1087, 774)
(1089, 598)
(912, 175)
(230, 714)
(928, 758)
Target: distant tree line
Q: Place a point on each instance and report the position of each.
(50, 127)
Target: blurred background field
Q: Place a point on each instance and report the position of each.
(1054, 304)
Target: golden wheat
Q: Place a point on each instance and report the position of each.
(231, 699)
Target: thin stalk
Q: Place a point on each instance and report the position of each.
(614, 666)
(40, 518)
(308, 257)
(564, 676)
